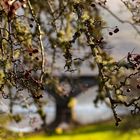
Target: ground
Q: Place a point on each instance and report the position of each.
(105, 131)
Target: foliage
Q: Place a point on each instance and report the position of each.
(24, 64)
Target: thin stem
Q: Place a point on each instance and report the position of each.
(120, 20)
(40, 39)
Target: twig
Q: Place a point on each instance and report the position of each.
(40, 39)
(120, 20)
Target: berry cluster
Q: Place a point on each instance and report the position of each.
(116, 30)
(11, 6)
(134, 60)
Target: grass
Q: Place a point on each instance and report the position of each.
(105, 131)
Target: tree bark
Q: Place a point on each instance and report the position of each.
(63, 113)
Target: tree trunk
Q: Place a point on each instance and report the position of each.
(63, 113)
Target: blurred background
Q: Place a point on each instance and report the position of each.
(83, 119)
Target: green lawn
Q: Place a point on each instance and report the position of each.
(94, 132)
(109, 135)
